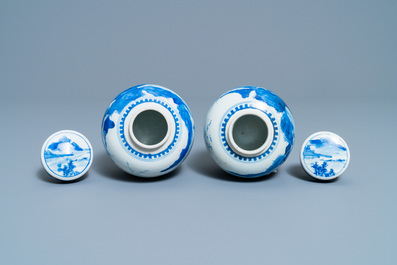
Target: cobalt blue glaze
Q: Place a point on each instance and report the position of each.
(134, 156)
(325, 155)
(220, 131)
(66, 155)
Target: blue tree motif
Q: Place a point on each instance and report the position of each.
(316, 168)
(322, 170)
(67, 169)
(331, 173)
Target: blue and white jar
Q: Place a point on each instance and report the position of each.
(148, 130)
(249, 132)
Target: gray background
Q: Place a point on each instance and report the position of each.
(333, 62)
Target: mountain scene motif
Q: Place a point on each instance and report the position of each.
(324, 157)
(67, 158)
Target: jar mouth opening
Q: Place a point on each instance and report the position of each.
(249, 132)
(150, 128)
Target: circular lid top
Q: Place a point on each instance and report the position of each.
(66, 155)
(324, 155)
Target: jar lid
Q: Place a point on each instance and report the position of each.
(324, 155)
(66, 155)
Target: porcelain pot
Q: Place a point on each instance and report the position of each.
(249, 131)
(148, 130)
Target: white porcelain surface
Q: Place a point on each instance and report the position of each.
(148, 130)
(325, 155)
(249, 131)
(66, 155)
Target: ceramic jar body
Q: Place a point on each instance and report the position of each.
(249, 132)
(148, 130)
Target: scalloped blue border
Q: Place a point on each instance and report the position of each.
(135, 152)
(223, 133)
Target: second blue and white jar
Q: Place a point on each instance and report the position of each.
(249, 132)
(148, 130)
